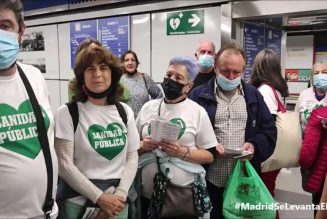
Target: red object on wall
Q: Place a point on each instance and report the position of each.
(292, 75)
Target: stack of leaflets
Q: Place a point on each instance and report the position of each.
(236, 153)
(163, 129)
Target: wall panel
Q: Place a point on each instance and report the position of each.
(165, 47)
(54, 92)
(140, 40)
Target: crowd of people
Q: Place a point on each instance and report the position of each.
(100, 142)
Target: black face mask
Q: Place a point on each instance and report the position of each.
(97, 95)
(172, 89)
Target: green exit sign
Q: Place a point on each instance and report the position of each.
(185, 22)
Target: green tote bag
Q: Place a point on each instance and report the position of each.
(246, 196)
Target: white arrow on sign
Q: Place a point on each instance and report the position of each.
(195, 20)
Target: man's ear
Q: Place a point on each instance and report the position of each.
(21, 34)
(215, 69)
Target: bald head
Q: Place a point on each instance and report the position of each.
(205, 47)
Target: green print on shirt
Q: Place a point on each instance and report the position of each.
(307, 112)
(180, 123)
(176, 121)
(18, 130)
(108, 142)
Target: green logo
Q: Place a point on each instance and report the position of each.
(18, 130)
(180, 123)
(108, 142)
(185, 22)
(175, 121)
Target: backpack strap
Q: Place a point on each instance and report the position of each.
(73, 111)
(44, 142)
(122, 112)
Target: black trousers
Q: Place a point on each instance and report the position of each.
(316, 200)
(216, 197)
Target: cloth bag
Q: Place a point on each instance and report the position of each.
(74, 206)
(77, 210)
(289, 140)
(173, 201)
(246, 196)
(170, 200)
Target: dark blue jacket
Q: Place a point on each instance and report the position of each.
(260, 128)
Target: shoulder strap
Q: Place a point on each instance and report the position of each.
(146, 84)
(280, 105)
(43, 139)
(73, 111)
(122, 112)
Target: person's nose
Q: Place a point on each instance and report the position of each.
(231, 76)
(98, 72)
(173, 77)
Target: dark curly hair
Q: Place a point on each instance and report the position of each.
(84, 58)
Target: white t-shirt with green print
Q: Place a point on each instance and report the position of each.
(196, 131)
(23, 174)
(306, 103)
(101, 140)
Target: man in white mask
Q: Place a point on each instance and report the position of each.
(28, 162)
(240, 118)
(205, 56)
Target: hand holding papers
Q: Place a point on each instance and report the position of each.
(163, 130)
(237, 153)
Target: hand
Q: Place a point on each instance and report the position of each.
(147, 145)
(324, 123)
(110, 204)
(102, 215)
(250, 148)
(172, 148)
(220, 149)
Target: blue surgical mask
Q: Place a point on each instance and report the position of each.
(226, 84)
(9, 48)
(205, 61)
(320, 81)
